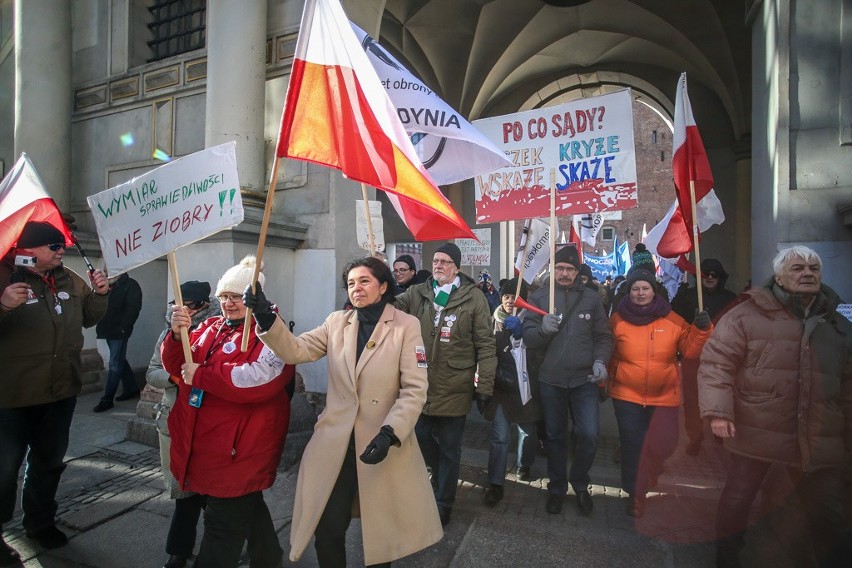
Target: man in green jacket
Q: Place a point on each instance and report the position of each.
(455, 322)
(775, 382)
(43, 308)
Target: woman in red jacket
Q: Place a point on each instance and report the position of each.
(645, 380)
(228, 426)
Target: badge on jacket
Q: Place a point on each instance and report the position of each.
(445, 334)
(420, 353)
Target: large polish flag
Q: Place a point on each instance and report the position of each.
(338, 114)
(23, 198)
(672, 237)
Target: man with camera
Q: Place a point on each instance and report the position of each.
(43, 308)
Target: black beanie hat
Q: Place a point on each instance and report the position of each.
(38, 234)
(642, 259)
(452, 251)
(635, 275)
(510, 287)
(586, 270)
(195, 291)
(407, 259)
(568, 254)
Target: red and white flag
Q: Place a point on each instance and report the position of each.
(338, 114)
(23, 198)
(574, 237)
(672, 237)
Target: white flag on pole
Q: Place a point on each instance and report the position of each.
(590, 224)
(538, 253)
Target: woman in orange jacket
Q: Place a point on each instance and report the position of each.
(645, 380)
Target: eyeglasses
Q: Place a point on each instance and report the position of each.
(56, 247)
(439, 262)
(711, 274)
(401, 270)
(233, 298)
(566, 269)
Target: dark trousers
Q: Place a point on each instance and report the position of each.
(181, 538)
(583, 402)
(692, 417)
(330, 534)
(119, 370)
(820, 496)
(228, 523)
(648, 436)
(41, 433)
(440, 440)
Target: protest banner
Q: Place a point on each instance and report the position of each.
(533, 257)
(171, 206)
(377, 225)
(476, 253)
(588, 143)
(602, 266)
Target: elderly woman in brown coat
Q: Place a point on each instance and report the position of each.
(376, 390)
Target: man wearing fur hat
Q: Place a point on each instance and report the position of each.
(43, 308)
(577, 342)
(717, 300)
(455, 322)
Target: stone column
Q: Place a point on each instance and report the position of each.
(742, 154)
(43, 94)
(236, 80)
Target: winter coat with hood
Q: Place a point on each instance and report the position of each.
(461, 345)
(716, 303)
(40, 348)
(783, 377)
(125, 303)
(386, 385)
(231, 444)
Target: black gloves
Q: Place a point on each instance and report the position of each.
(482, 401)
(260, 307)
(377, 450)
(702, 320)
(513, 324)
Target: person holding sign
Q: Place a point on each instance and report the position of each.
(228, 425)
(363, 443)
(44, 307)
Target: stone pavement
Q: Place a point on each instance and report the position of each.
(114, 507)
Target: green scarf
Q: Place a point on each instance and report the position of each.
(442, 293)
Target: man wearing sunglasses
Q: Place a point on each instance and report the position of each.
(43, 308)
(717, 300)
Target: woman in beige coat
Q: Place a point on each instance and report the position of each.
(376, 390)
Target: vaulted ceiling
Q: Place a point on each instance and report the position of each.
(493, 57)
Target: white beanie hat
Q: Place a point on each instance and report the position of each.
(237, 278)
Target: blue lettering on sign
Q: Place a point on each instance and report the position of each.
(596, 168)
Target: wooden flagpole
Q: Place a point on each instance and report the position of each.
(695, 242)
(552, 237)
(527, 231)
(370, 237)
(184, 332)
(261, 242)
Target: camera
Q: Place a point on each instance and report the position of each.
(24, 260)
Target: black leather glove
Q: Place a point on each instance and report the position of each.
(377, 450)
(702, 320)
(261, 307)
(482, 401)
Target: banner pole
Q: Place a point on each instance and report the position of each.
(370, 237)
(695, 241)
(526, 234)
(184, 332)
(552, 237)
(261, 242)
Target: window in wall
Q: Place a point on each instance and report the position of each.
(663, 156)
(177, 26)
(653, 137)
(607, 233)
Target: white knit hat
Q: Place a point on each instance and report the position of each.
(237, 278)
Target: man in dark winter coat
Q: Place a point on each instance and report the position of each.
(43, 310)
(776, 384)
(717, 299)
(456, 327)
(405, 273)
(125, 303)
(576, 352)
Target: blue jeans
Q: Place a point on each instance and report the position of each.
(440, 441)
(583, 401)
(498, 454)
(820, 496)
(119, 370)
(41, 433)
(648, 436)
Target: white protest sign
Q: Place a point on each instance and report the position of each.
(587, 142)
(377, 223)
(475, 253)
(169, 207)
(845, 310)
